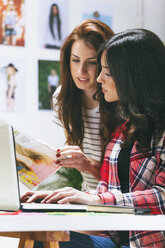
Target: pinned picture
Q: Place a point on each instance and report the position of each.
(12, 22)
(52, 23)
(102, 11)
(12, 84)
(49, 79)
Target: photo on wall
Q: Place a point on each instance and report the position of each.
(12, 84)
(49, 79)
(98, 10)
(12, 22)
(53, 21)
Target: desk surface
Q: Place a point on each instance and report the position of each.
(43, 222)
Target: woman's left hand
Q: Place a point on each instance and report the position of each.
(70, 195)
(34, 196)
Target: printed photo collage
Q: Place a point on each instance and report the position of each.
(21, 29)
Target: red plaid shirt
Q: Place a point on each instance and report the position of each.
(147, 185)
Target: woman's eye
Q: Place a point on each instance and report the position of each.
(108, 74)
(92, 62)
(75, 60)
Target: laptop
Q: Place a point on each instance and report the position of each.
(10, 191)
(9, 181)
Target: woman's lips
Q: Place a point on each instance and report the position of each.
(103, 90)
(83, 80)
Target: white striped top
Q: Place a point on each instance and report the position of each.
(91, 141)
(91, 144)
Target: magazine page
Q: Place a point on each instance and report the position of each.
(35, 160)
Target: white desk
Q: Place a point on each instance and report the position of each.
(24, 223)
(50, 229)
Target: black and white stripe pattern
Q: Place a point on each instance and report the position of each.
(91, 141)
(91, 144)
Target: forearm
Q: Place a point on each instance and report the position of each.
(93, 168)
(152, 198)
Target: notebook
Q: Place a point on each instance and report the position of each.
(9, 181)
(10, 191)
(117, 209)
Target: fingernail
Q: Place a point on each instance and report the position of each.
(58, 150)
(58, 155)
(58, 161)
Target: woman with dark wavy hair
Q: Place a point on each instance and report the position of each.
(75, 106)
(53, 37)
(133, 72)
(133, 171)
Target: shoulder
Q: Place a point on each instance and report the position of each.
(54, 98)
(55, 108)
(116, 139)
(56, 93)
(119, 131)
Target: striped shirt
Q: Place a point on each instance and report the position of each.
(91, 142)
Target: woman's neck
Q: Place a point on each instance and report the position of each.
(87, 100)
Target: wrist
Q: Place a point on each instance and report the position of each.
(94, 199)
(93, 168)
(90, 165)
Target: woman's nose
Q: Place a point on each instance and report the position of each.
(82, 69)
(99, 78)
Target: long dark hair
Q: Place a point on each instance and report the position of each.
(51, 20)
(69, 105)
(136, 59)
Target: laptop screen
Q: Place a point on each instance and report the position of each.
(9, 186)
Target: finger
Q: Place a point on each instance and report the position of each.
(52, 199)
(26, 195)
(66, 200)
(79, 164)
(75, 199)
(48, 197)
(55, 192)
(35, 198)
(71, 153)
(67, 148)
(24, 199)
(68, 159)
(59, 196)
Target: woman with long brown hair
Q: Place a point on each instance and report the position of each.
(75, 108)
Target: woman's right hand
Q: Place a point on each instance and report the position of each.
(73, 157)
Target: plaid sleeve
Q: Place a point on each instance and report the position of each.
(150, 191)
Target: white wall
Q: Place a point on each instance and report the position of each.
(33, 122)
(127, 14)
(147, 14)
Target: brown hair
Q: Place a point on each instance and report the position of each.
(69, 105)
